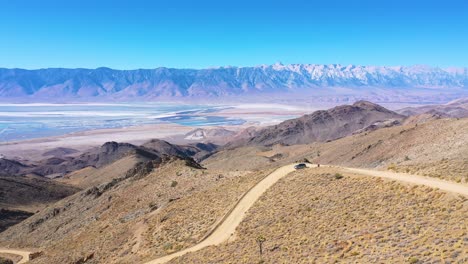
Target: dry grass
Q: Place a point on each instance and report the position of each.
(90, 176)
(136, 219)
(313, 217)
(437, 149)
(12, 257)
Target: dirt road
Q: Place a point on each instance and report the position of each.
(24, 254)
(227, 228)
(414, 179)
(229, 224)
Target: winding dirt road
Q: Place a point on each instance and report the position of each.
(414, 179)
(228, 226)
(24, 254)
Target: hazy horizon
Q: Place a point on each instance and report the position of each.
(248, 66)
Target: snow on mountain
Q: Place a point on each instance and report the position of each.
(152, 84)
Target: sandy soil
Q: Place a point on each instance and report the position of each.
(331, 216)
(24, 254)
(227, 227)
(415, 179)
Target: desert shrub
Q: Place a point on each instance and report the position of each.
(152, 206)
(5, 261)
(391, 167)
(338, 176)
(167, 246)
(174, 183)
(413, 260)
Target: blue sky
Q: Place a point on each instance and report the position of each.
(199, 34)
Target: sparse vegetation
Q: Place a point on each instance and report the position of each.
(129, 222)
(153, 206)
(260, 240)
(174, 183)
(338, 176)
(355, 219)
(392, 167)
(5, 261)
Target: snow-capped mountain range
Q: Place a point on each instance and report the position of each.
(223, 82)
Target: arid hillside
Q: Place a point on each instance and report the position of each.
(328, 216)
(123, 203)
(152, 210)
(21, 196)
(437, 148)
(323, 125)
(454, 109)
(11, 167)
(92, 176)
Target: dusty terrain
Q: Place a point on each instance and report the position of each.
(457, 109)
(31, 193)
(134, 219)
(16, 256)
(321, 216)
(323, 125)
(438, 148)
(91, 176)
(21, 196)
(138, 203)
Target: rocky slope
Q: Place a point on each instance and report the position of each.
(324, 125)
(391, 82)
(454, 109)
(327, 216)
(436, 148)
(98, 157)
(21, 196)
(197, 151)
(60, 152)
(154, 209)
(31, 192)
(92, 176)
(11, 167)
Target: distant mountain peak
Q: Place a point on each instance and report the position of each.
(152, 84)
(370, 106)
(323, 125)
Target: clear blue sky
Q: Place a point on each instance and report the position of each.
(199, 33)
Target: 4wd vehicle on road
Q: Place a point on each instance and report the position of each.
(300, 166)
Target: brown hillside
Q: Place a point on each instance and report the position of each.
(21, 196)
(438, 148)
(147, 213)
(313, 216)
(322, 125)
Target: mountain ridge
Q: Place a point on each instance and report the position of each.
(150, 84)
(323, 125)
